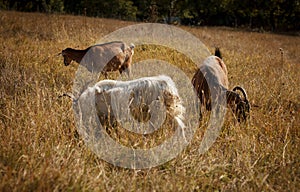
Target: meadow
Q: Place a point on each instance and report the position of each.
(41, 151)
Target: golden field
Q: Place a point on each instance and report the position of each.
(40, 150)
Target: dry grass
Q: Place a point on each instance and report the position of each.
(41, 152)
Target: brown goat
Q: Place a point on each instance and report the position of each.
(214, 71)
(102, 58)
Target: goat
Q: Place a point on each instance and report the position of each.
(214, 71)
(102, 58)
(115, 100)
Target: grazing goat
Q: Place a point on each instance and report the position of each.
(116, 99)
(102, 58)
(214, 71)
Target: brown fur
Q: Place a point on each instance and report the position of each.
(121, 61)
(218, 73)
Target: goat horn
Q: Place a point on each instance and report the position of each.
(242, 90)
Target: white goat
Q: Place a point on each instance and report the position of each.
(214, 71)
(102, 58)
(117, 99)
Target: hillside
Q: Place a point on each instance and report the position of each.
(40, 150)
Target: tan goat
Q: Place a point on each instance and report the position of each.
(214, 70)
(107, 57)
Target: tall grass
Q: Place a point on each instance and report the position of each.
(40, 150)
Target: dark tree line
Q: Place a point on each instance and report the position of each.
(266, 14)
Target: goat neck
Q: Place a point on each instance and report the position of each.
(75, 54)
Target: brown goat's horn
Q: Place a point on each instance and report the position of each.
(242, 90)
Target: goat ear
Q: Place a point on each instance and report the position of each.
(232, 96)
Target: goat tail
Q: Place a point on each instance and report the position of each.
(218, 52)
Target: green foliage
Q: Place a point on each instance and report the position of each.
(126, 10)
(55, 6)
(265, 14)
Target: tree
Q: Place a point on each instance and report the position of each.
(267, 14)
